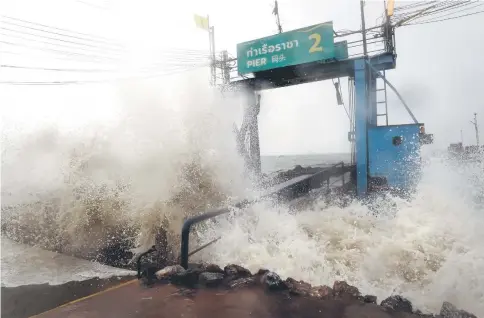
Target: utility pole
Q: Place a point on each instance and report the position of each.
(276, 13)
(461, 137)
(363, 28)
(225, 68)
(211, 42)
(212, 51)
(476, 127)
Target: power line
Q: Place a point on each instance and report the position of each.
(187, 52)
(464, 9)
(88, 51)
(413, 15)
(54, 50)
(149, 67)
(405, 16)
(451, 18)
(95, 38)
(454, 6)
(436, 9)
(413, 5)
(53, 69)
(167, 55)
(84, 36)
(61, 34)
(31, 83)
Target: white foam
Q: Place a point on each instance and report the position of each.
(428, 249)
(135, 172)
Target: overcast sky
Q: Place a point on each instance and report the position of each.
(439, 69)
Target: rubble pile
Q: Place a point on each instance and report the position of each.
(342, 299)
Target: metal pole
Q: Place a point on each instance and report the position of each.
(476, 127)
(367, 77)
(212, 51)
(363, 28)
(276, 13)
(214, 76)
(225, 67)
(211, 43)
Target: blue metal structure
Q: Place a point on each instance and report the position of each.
(394, 154)
(361, 126)
(390, 154)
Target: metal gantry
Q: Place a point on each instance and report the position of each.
(365, 67)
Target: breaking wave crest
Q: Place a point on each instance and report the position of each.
(168, 156)
(428, 249)
(172, 154)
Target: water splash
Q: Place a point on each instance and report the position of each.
(168, 156)
(427, 249)
(172, 154)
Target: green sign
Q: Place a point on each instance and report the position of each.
(310, 44)
(341, 50)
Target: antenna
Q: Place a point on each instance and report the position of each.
(276, 13)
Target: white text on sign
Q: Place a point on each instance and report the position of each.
(264, 49)
(278, 58)
(257, 62)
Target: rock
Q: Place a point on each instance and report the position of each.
(298, 287)
(210, 279)
(188, 278)
(397, 303)
(422, 315)
(241, 282)
(272, 281)
(262, 271)
(301, 288)
(321, 291)
(341, 288)
(450, 311)
(236, 271)
(212, 268)
(370, 299)
(169, 271)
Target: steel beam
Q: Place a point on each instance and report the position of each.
(361, 128)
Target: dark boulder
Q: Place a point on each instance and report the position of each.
(342, 289)
(272, 281)
(212, 268)
(370, 299)
(299, 288)
(209, 279)
(188, 278)
(450, 311)
(397, 303)
(236, 271)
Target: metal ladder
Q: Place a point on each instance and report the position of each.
(379, 101)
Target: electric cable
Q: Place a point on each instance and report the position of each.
(440, 10)
(54, 69)
(187, 52)
(444, 9)
(451, 18)
(40, 83)
(95, 38)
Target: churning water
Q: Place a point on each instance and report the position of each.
(172, 155)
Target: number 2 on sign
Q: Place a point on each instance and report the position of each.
(317, 40)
